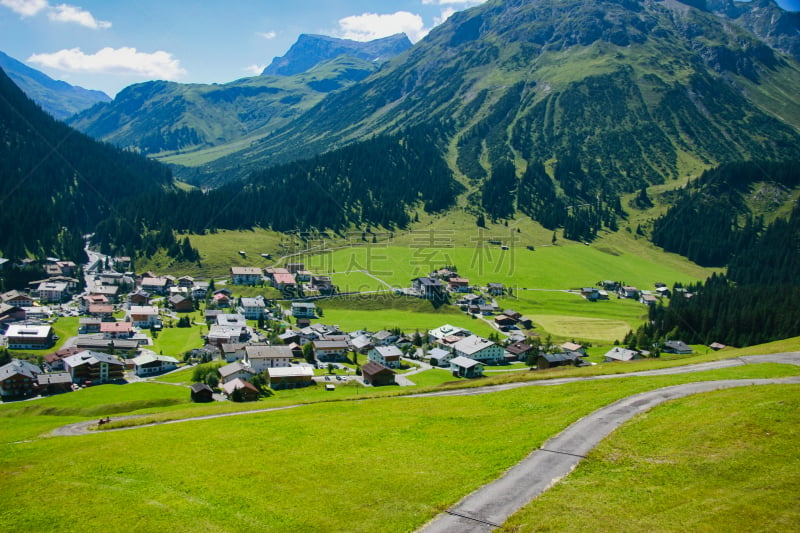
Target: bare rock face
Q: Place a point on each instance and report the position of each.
(311, 50)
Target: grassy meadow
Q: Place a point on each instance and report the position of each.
(720, 461)
(376, 312)
(259, 471)
(376, 262)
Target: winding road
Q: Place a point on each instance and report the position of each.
(490, 506)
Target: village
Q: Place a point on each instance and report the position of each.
(262, 343)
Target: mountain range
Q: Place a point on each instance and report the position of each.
(635, 91)
(58, 98)
(196, 123)
(310, 50)
(521, 107)
(168, 118)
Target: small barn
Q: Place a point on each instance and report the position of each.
(202, 393)
(549, 360)
(376, 374)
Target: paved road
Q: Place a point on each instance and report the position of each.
(402, 379)
(491, 505)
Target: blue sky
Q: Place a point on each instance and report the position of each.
(109, 44)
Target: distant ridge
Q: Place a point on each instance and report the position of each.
(58, 98)
(311, 50)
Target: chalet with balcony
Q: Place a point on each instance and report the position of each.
(290, 377)
(328, 351)
(150, 363)
(116, 330)
(52, 292)
(253, 308)
(465, 367)
(25, 337)
(246, 275)
(93, 367)
(388, 356)
(429, 288)
(304, 310)
(479, 349)
(17, 299)
(144, 316)
(261, 357)
(18, 379)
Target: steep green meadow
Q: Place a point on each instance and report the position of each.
(309, 468)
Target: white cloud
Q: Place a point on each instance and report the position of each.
(255, 70)
(446, 14)
(59, 13)
(67, 13)
(158, 65)
(370, 26)
(268, 35)
(25, 8)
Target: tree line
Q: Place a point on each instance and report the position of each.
(757, 301)
(378, 182)
(710, 221)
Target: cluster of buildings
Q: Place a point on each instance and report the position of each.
(116, 307)
(644, 296)
(293, 277)
(442, 283)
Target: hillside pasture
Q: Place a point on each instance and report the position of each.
(120, 480)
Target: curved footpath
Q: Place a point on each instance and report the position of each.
(490, 506)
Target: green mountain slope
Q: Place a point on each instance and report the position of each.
(57, 183)
(58, 98)
(631, 90)
(165, 118)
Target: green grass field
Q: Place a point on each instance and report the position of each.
(720, 461)
(376, 312)
(184, 476)
(175, 341)
(548, 267)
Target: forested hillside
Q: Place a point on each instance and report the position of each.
(377, 182)
(758, 301)
(56, 184)
(711, 220)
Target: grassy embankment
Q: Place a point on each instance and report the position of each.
(119, 480)
(721, 461)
